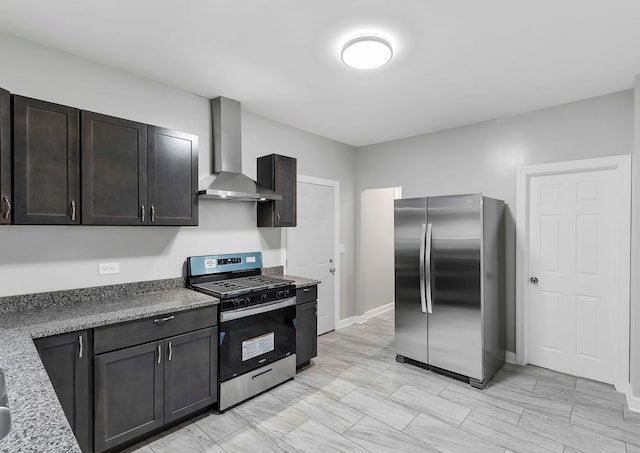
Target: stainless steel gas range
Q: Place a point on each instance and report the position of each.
(257, 344)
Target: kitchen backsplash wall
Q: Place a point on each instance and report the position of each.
(48, 258)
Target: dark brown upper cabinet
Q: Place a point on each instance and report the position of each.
(5, 157)
(114, 171)
(278, 173)
(134, 174)
(46, 163)
(172, 177)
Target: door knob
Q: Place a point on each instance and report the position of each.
(534, 280)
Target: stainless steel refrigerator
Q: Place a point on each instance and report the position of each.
(449, 284)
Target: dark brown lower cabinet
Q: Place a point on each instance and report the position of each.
(306, 332)
(140, 388)
(67, 360)
(128, 394)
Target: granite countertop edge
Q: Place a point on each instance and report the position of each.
(301, 282)
(38, 421)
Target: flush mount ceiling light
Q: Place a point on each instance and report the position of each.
(366, 52)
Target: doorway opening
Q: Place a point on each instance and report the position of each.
(376, 285)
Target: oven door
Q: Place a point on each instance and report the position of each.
(256, 336)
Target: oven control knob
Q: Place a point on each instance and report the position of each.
(263, 297)
(244, 302)
(279, 294)
(286, 293)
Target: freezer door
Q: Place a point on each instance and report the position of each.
(455, 328)
(409, 240)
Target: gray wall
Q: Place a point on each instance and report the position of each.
(484, 157)
(44, 258)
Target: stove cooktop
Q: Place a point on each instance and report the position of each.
(242, 285)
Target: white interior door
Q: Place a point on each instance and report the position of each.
(572, 252)
(311, 246)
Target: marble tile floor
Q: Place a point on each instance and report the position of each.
(355, 397)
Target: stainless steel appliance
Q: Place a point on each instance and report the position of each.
(257, 347)
(227, 181)
(449, 284)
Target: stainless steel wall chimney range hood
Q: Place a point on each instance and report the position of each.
(227, 181)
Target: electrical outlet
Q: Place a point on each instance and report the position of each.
(108, 268)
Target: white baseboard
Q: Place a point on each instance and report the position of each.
(632, 401)
(379, 310)
(341, 324)
(510, 357)
(359, 319)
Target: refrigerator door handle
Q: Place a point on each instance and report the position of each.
(427, 273)
(423, 237)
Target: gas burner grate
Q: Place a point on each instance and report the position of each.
(235, 286)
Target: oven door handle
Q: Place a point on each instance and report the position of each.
(256, 310)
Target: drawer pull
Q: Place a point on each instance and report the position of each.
(306, 290)
(163, 320)
(262, 374)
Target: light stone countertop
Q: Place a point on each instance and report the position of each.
(38, 422)
(301, 282)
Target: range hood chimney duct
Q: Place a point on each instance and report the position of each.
(227, 181)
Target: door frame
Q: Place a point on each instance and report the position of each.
(622, 167)
(336, 238)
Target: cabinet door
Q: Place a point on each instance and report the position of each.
(128, 394)
(114, 171)
(306, 332)
(285, 184)
(278, 173)
(191, 373)
(172, 177)
(66, 358)
(46, 163)
(5, 157)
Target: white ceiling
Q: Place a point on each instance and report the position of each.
(456, 62)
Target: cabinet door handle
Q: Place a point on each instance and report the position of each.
(7, 203)
(277, 216)
(142, 213)
(153, 213)
(81, 347)
(163, 320)
(170, 351)
(73, 210)
(159, 354)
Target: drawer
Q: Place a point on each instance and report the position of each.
(117, 336)
(306, 294)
